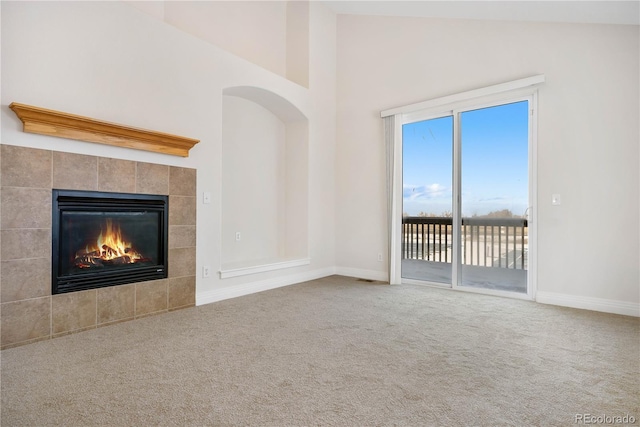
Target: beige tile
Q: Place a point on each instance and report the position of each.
(182, 292)
(27, 243)
(25, 320)
(25, 167)
(182, 210)
(75, 171)
(116, 303)
(182, 236)
(25, 278)
(182, 262)
(73, 311)
(182, 181)
(116, 175)
(25, 208)
(152, 179)
(151, 297)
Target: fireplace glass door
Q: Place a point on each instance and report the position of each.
(105, 239)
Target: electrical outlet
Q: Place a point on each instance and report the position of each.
(380, 257)
(238, 236)
(206, 197)
(206, 271)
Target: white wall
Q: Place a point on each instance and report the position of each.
(152, 7)
(587, 142)
(113, 62)
(254, 30)
(298, 42)
(253, 182)
(271, 34)
(265, 180)
(322, 132)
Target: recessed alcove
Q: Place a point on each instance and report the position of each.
(264, 182)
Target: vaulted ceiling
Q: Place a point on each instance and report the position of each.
(600, 12)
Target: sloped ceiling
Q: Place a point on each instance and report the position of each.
(597, 12)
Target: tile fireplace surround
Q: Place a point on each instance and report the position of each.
(28, 311)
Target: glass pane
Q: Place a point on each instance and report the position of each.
(100, 241)
(427, 150)
(494, 174)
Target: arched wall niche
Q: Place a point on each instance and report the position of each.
(276, 104)
(264, 182)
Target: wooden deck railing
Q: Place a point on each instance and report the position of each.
(488, 242)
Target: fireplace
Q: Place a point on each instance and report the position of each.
(105, 239)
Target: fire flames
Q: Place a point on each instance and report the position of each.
(110, 249)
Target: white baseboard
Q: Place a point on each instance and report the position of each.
(261, 268)
(262, 285)
(588, 303)
(585, 303)
(363, 274)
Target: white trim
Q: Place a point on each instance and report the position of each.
(395, 256)
(465, 96)
(456, 202)
(532, 219)
(552, 298)
(262, 285)
(589, 303)
(426, 283)
(362, 274)
(243, 271)
(468, 289)
(423, 115)
(468, 105)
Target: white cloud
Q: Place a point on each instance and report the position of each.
(424, 192)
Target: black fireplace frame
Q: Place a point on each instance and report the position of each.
(95, 201)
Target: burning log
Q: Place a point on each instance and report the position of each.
(124, 259)
(109, 252)
(87, 261)
(83, 252)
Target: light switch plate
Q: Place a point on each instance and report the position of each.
(555, 199)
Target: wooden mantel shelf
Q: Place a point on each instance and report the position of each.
(65, 125)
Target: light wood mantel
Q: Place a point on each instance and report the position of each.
(64, 125)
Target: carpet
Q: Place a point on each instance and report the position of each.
(334, 352)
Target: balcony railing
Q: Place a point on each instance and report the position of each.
(487, 242)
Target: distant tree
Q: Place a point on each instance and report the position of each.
(503, 213)
(445, 214)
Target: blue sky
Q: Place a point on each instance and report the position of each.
(494, 162)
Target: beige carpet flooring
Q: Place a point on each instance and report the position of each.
(334, 352)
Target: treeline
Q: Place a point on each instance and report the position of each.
(503, 213)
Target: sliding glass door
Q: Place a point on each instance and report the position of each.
(427, 175)
(466, 196)
(494, 197)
